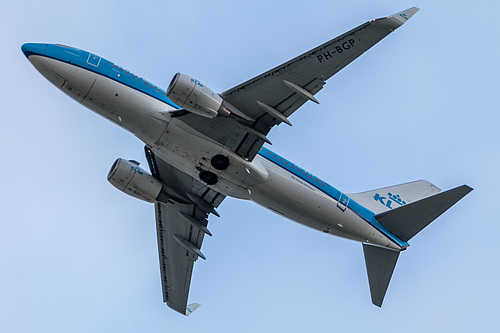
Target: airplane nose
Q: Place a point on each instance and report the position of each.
(40, 55)
(33, 48)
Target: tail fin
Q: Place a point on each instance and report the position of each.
(405, 222)
(380, 263)
(408, 220)
(387, 198)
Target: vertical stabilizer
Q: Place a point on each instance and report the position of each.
(380, 263)
(387, 198)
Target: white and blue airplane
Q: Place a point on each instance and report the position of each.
(202, 146)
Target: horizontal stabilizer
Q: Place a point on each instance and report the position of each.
(408, 220)
(380, 263)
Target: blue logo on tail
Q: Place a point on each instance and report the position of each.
(389, 200)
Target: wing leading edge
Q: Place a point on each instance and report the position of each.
(273, 96)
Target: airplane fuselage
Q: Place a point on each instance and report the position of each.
(143, 109)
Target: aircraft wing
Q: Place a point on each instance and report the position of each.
(181, 226)
(270, 98)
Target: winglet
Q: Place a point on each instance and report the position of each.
(405, 15)
(191, 307)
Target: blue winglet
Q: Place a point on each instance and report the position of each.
(191, 307)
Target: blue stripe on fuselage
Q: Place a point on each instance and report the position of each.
(104, 67)
(108, 69)
(331, 191)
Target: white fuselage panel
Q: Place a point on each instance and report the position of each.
(173, 141)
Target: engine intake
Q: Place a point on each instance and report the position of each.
(129, 178)
(193, 96)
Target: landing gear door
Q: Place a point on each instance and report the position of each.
(343, 202)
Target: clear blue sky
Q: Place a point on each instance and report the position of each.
(76, 255)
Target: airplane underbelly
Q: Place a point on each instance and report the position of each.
(287, 195)
(144, 116)
(192, 152)
(73, 81)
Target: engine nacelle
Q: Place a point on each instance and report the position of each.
(193, 96)
(132, 180)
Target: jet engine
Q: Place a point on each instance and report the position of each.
(193, 96)
(132, 180)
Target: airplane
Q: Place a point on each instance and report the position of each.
(202, 147)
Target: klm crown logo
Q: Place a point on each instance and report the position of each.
(196, 82)
(389, 200)
(137, 169)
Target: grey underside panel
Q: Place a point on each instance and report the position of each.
(406, 221)
(309, 71)
(179, 183)
(380, 263)
(176, 262)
